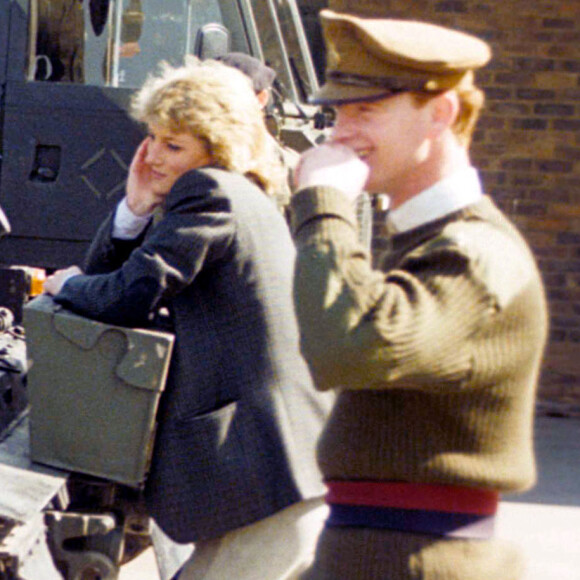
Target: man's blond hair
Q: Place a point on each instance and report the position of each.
(471, 101)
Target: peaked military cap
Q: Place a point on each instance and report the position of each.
(369, 58)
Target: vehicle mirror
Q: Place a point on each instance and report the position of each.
(212, 41)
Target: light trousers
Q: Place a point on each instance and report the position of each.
(279, 547)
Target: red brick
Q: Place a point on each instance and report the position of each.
(566, 124)
(554, 165)
(554, 110)
(508, 109)
(451, 6)
(531, 123)
(535, 94)
(558, 23)
(569, 153)
(528, 140)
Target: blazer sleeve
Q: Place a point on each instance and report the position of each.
(126, 284)
(106, 253)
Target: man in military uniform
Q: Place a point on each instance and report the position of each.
(435, 357)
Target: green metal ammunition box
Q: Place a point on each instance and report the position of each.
(94, 390)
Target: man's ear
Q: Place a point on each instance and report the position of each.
(263, 97)
(445, 108)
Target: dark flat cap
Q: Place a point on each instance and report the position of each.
(369, 57)
(262, 76)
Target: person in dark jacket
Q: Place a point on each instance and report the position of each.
(233, 468)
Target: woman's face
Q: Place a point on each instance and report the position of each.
(169, 155)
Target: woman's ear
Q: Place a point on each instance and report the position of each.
(444, 112)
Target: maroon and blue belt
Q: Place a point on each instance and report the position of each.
(441, 510)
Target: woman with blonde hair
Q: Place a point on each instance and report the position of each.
(233, 466)
(209, 101)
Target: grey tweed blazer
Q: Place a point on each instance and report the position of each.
(239, 418)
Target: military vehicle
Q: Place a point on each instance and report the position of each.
(68, 69)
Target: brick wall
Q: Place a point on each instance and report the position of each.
(527, 145)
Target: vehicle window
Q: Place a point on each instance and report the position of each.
(118, 42)
(59, 40)
(148, 32)
(142, 33)
(114, 43)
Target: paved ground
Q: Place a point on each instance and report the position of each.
(545, 521)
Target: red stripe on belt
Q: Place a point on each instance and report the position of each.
(416, 496)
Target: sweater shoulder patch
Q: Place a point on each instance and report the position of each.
(501, 260)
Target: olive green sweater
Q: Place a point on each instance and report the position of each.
(435, 358)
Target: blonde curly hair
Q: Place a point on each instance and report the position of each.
(215, 103)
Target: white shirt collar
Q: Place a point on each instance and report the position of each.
(451, 194)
